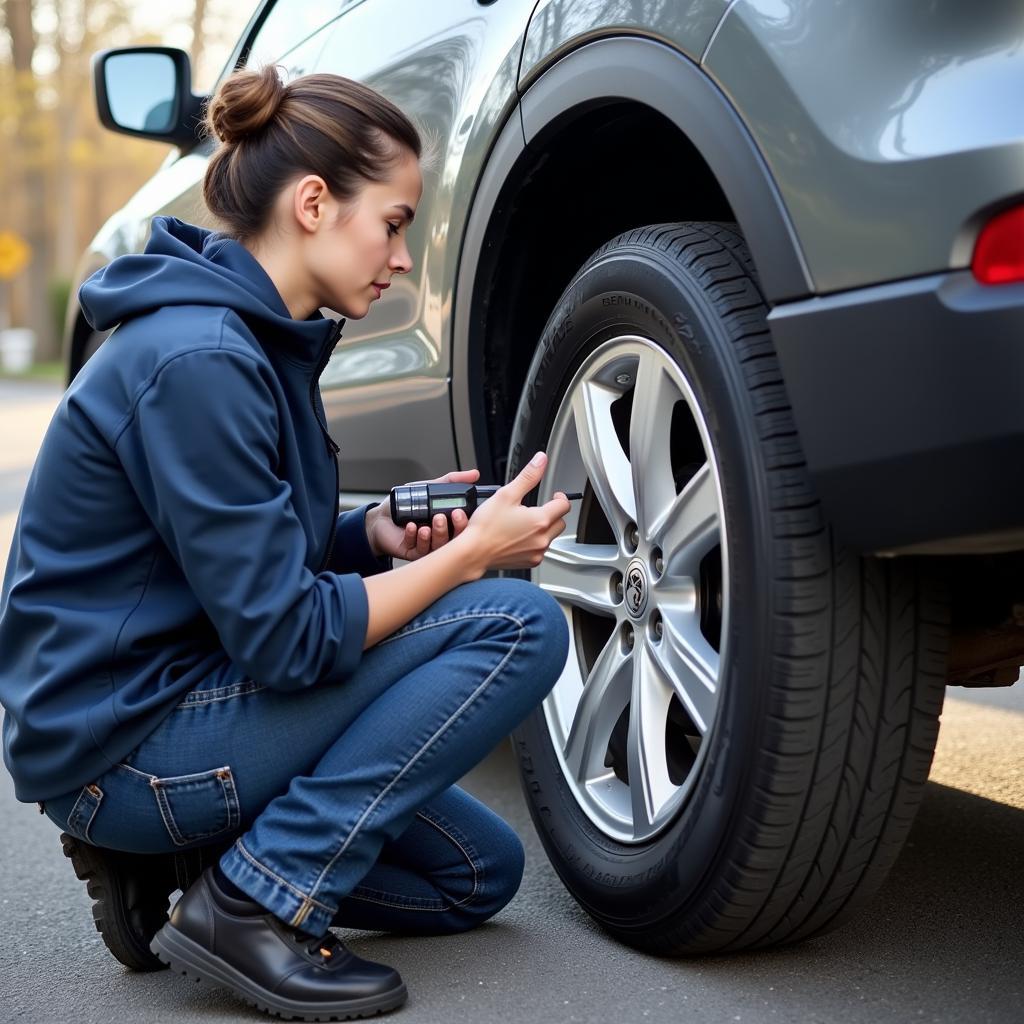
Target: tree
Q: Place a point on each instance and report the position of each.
(30, 175)
(62, 173)
(198, 33)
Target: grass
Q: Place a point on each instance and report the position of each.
(50, 371)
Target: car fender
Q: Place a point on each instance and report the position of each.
(649, 73)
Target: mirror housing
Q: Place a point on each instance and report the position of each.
(184, 113)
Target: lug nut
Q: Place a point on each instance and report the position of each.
(655, 625)
(632, 536)
(658, 563)
(617, 588)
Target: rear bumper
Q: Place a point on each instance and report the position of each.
(909, 399)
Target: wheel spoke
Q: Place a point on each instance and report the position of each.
(689, 664)
(605, 694)
(580, 574)
(654, 398)
(690, 527)
(650, 787)
(605, 461)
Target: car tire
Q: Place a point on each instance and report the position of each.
(743, 771)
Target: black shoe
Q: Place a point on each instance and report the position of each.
(131, 891)
(242, 946)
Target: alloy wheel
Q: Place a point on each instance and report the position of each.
(641, 575)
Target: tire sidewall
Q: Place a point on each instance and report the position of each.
(634, 289)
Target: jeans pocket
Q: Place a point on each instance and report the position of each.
(199, 806)
(80, 818)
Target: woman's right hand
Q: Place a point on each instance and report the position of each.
(502, 533)
(511, 535)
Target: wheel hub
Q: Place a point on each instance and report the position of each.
(637, 588)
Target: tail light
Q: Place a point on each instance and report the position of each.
(999, 252)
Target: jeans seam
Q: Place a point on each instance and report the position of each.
(168, 819)
(399, 906)
(396, 899)
(429, 743)
(96, 806)
(477, 872)
(230, 791)
(433, 906)
(447, 620)
(74, 808)
(222, 693)
(294, 890)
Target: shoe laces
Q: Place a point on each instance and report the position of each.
(327, 946)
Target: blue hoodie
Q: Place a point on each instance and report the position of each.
(181, 522)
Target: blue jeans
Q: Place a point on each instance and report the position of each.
(341, 799)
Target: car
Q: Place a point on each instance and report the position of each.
(752, 273)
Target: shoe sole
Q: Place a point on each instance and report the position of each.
(186, 957)
(108, 910)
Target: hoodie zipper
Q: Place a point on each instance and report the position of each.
(332, 448)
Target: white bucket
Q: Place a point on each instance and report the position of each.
(17, 345)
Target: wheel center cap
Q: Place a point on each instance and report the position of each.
(637, 588)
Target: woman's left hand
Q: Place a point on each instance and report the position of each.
(410, 543)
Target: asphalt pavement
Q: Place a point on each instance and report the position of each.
(942, 942)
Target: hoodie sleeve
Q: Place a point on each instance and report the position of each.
(352, 551)
(200, 450)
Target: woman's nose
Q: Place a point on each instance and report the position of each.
(401, 261)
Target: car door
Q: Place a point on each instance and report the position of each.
(452, 67)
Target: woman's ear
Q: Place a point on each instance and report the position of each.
(308, 202)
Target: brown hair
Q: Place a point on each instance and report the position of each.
(271, 132)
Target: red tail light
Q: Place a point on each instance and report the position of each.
(999, 252)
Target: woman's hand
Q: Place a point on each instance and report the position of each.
(410, 543)
(511, 535)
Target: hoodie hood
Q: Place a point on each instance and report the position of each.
(185, 265)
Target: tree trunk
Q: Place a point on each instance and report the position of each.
(198, 38)
(68, 76)
(32, 188)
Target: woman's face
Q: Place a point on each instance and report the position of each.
(362, 244)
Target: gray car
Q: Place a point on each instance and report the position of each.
(752, 273)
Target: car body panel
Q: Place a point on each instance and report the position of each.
(558, 26)
(890, 129)
(907, 399)
(453, 70)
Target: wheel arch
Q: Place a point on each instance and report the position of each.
(561, 179)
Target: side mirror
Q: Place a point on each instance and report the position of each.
(146, 91)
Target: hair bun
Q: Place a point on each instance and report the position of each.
(245, 103)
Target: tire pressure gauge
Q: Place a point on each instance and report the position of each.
(419, 503)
